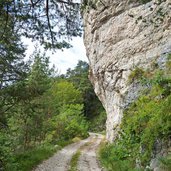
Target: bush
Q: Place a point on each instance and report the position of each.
(136, 74)
(146, 121)
(113, 157)
(69, 123)
(25, 161)
(5, 149)
(165, 163)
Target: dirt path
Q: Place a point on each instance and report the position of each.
(87, 162)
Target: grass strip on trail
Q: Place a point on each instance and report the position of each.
(74, 161)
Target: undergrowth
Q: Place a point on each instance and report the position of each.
(165, 163)
(146, 121)
(27, 160)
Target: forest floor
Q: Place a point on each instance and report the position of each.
(87, 161)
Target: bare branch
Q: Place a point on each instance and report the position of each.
(48, 19)
(32, 3)
(65, 2)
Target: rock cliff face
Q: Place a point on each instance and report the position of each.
(119, 36)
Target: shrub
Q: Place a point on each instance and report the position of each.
(97, 124)
(136, 74)
(147, 120)
(25, 161)
(113, 157)
(69, 123)
(165, 163)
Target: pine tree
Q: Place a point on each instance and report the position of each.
(48, 21)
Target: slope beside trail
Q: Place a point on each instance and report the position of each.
(87, 161)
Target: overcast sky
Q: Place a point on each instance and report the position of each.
(68, 58)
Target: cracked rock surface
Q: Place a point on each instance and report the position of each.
(119, 36)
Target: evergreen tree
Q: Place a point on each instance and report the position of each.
(12, 67)
(48, 21)
(79, 77)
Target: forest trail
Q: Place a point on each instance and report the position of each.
(87, 161)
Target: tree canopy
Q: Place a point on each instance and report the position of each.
(48, 21)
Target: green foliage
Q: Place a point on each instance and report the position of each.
(33, 105)
(39, 76)
(26, 161)
(45, 110)
(93, 111)
(168, 65)
(74, 161)
(46, 24)
(64, 92)
(88, 4)
(147, 120)
(141, 1)
(114, 157)
(97, 124)
(145, 1)
(5, 148)
(165, 163)
(69, 123)
(136, 74)
(92, 4)
(12, 68)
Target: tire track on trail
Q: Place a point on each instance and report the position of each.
(61, 160)
(87, 161)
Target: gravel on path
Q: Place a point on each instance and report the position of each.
(87, 161)
(61, 160)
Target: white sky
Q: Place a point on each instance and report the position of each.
(68, 58)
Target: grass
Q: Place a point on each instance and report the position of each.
(165, 163)
(136, 74)
(29, 159)
(74, 161)
(64, 143)
(145, 121)
(26, 161)
(111, 162)
(76, 156)
(76, 139)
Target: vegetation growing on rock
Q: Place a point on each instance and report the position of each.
(146, 122)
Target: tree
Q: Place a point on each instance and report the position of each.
(79, 77)
(31, 113)
(12, 67)
(64, 93)
(22, 124)
(69, 123)
(48, 21)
